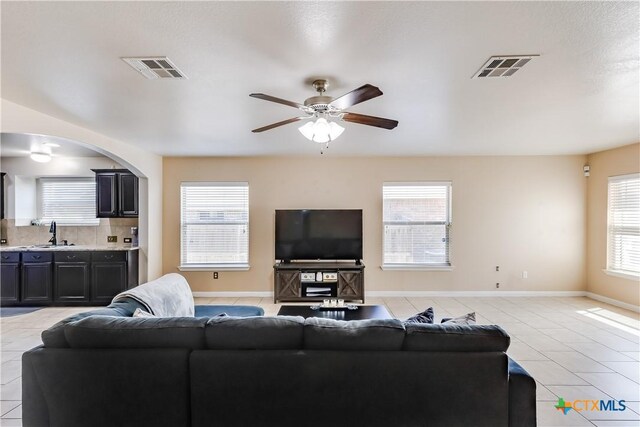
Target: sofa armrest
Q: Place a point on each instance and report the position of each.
(522, 396)
(34, 407)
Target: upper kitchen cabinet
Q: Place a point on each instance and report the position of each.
(2, 174)
(116, 193)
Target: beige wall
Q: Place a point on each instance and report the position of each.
(521, 213)
(148, 166)
(619, 161)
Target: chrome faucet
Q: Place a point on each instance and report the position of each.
(52, 229)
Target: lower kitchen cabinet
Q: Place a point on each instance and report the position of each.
(36, 277)
(72, 277)
(66, 277)
(10, 277)
(107, 280)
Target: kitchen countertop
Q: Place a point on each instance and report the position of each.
(31, 248)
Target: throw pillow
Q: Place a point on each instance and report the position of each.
(424, 317)
(467, 319)
(141, 313)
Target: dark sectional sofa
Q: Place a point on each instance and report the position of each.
(272, 371)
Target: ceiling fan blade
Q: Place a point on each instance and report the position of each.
(370, 120)
(356, 96)
(275, 125)
(278, 100)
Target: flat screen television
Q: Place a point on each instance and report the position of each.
(319, 234)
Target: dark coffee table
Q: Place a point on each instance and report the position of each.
(363, 312)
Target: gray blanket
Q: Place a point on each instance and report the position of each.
(167, 296)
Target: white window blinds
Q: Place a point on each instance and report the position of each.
(68, 201)
(214, 224)
(623, 252)
(416, 219)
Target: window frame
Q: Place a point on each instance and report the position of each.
(214, 266)
(610, 269)
(446, 266)
(92, 221)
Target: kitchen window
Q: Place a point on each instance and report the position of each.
(214, 226)
(623, 226)
(416, 223)
(67, 201)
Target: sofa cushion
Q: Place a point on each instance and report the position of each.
(54, 336)
(354, 335)
(467, 319)
(138, 332)
(452, 337)
(254, 333)
(423, 317)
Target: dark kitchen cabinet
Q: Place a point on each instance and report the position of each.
(10, 277)
(116, 193)
(108, 275)
(36, 277)
(72, 277)
(128, 191)
(2, 174)
(106, 193)
(66, 277)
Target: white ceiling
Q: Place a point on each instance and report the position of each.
(581, 95)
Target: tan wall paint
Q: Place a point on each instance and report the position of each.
(619, 161)
(521, 213)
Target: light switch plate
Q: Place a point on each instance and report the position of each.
(127, 240)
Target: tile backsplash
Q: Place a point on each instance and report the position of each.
(79, 235)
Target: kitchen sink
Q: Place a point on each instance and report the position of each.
(44, 247)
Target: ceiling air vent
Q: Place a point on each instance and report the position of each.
(503, 66)
(155, 67)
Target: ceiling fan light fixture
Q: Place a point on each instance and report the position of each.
(307, 130)
(321, 130)
(335, 130)
(321, 107)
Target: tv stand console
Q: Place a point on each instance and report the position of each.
(315, 281)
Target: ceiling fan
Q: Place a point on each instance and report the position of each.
(326, 109)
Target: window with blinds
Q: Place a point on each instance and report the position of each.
(214, 225)
(416, 221)
(623, 222)
(67, 201)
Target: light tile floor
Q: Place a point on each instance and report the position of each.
(576, 348)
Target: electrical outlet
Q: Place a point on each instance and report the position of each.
(127, 240)
(112, 239)
(497, 285)
(215, 274)
(3, 241)
(497, 268)
(525, 274)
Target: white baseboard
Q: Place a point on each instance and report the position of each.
(391, 294)
(232, 294)
(612, 301)
(374, 294)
